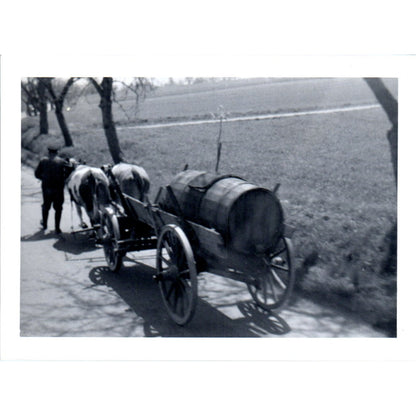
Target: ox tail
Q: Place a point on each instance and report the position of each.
(87, 191)
(103, 194)
(72, 214)
(143, 182)
(71, 198)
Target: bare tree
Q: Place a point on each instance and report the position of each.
(43, 107)
(140, 87)
(58, 101)
(36, 99)
(105, 90)
(30, 97)
(390, 106)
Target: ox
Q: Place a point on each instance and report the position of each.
(133, 180)
(89, 188)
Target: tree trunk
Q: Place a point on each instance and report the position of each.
(390, 106)
(384, 97)
(393, 141)
(29, 111)
(62, 123)
(108, 122)
(110, 130)
(43, 110)
(58, 103)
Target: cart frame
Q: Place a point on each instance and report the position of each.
(185, 248)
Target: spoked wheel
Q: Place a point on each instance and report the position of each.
(110, 233)
(176, 274)
(272, 287)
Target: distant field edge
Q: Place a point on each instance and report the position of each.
(254, 117)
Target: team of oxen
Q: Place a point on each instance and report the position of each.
(91, 189)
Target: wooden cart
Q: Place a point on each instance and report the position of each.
(185, 248)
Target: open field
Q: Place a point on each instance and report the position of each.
(237, 97)
(337, 184)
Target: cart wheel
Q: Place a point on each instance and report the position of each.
(176, 274)
(272, 288)
(110, 234)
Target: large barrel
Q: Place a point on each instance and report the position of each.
(249, 217)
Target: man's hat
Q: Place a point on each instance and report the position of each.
(53, 148)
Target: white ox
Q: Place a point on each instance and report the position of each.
(132, 179)
(89, 188)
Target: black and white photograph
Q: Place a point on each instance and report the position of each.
(209, 207)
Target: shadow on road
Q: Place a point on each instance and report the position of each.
(137, 288)
(75, 244)
(266, 322)
(39, 235)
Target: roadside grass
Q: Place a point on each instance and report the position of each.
(337, 191)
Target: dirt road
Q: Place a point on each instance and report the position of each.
(67, 290)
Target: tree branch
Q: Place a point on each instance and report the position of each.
(67, 87)
(25, 89)
(122, 108)
(97, 86)
(48, 86)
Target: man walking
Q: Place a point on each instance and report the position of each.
(52, 171)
